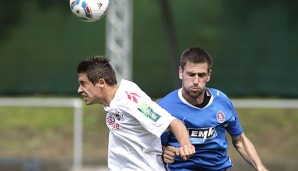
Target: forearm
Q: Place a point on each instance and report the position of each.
(186, 149)
(180, 131)
(247, 150)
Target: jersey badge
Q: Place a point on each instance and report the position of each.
(220, 116)
(111, 120)
(119, 116)
(148, 112)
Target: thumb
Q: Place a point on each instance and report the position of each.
(177, 152)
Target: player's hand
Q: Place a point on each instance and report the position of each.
(186, 151)
(169, 153)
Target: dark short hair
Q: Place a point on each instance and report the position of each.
(195, 55)
(97, 67)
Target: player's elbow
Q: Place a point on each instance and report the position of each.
(237, 141)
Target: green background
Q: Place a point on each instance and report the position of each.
(253, 45)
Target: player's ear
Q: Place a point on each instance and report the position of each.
(180, 72)
(209, 75)
(101, 82)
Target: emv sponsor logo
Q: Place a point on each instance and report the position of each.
(148, 112)
(204, 133)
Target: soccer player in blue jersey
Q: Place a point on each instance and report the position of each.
(207, 113)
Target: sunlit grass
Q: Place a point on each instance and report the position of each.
(35, 118)
(48, 133)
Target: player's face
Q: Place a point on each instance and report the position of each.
(89, 91)
(194, 77)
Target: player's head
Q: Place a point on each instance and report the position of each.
(194, 71)
(97, 79)
(195, 55)
(97, 67)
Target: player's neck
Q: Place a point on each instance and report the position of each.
(204, 101)
(110, 94)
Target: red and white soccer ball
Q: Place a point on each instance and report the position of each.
(89, 10)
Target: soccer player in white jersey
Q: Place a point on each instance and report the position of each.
(134, 120)
(208, 114)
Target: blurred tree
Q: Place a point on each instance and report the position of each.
(245, 8)
(11, 13)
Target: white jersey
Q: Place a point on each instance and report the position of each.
(136, 124)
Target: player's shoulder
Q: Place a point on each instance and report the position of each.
(128, 84)
(130, 87)
(216, 93)
(128, 91)
(169, 97)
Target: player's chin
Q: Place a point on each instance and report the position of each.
(194, 94)
(87, 101)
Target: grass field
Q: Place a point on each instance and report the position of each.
(46, 134)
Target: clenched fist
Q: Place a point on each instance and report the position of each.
(170, 152)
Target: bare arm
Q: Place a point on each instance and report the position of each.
(248, 152)
(186, 148)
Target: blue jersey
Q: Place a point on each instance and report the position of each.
(206, 127)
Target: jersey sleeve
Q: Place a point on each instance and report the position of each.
(150, 115)
(233, 126)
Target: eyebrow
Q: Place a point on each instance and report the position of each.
(189, 72)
